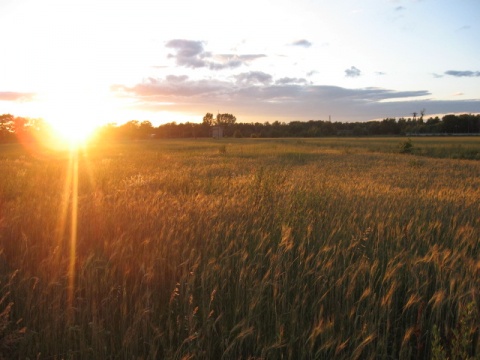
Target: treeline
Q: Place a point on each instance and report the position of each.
(12, 128)
(15, 128)
(448, 124)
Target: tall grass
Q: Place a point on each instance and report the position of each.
(240, 249)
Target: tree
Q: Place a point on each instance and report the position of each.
(145, 129)
(7, 127)
(129, 130)
(208, 119)
(225, 119)
(422, 113)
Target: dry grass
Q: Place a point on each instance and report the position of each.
(243, 249)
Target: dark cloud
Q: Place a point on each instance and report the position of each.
(257, 95)
(189, 53)
(16, 96)
(303, 43)
(353, 72)
(247, 85)
(463, 73)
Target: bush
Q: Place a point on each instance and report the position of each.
(406, 147)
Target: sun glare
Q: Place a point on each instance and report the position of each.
(72, 116)
(73, 132)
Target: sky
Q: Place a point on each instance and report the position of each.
(103, 61)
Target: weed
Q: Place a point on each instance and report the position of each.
(406, 147)
(222, 149)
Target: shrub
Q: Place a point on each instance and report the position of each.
(406, 147)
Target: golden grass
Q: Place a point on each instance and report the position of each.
(267, 250)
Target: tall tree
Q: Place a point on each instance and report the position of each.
(208, 119)
(7, 127)
(225, 119)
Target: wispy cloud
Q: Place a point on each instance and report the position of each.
(191, 54)
(353, 72)
(16, 96)
(302, 43)
(253, 77)
(154, 89)
(400, 8)
(257, 83)
(289, 80)
(465, 27)
(231, 61)
(467, 73)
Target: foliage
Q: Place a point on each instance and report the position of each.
(318, 248)
(463, 337)
(406, 147)
(10, 333)
(450, 124)
(11, 127)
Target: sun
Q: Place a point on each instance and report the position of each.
(72, 117)
(72, 131)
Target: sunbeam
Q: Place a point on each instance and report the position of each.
(73, 230)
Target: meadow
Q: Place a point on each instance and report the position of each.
(241, 249)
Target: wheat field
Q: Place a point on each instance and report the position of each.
(240, 249)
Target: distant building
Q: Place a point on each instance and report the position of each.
(217, 132)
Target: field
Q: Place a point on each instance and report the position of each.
(241, 249)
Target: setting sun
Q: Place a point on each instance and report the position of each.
(73, 115)
(74, 132)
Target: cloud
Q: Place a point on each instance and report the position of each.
(191, 54)
(302, 43)
(256, 85)
(153, 90)
(352, 72)
(380, 73)
(463, 73)
(254, 91)
(400, 8)
(253, 77)
(465, 27)
(231, 61)
(289, 80)
(257, 96)
(16, 96)
(188, 53)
